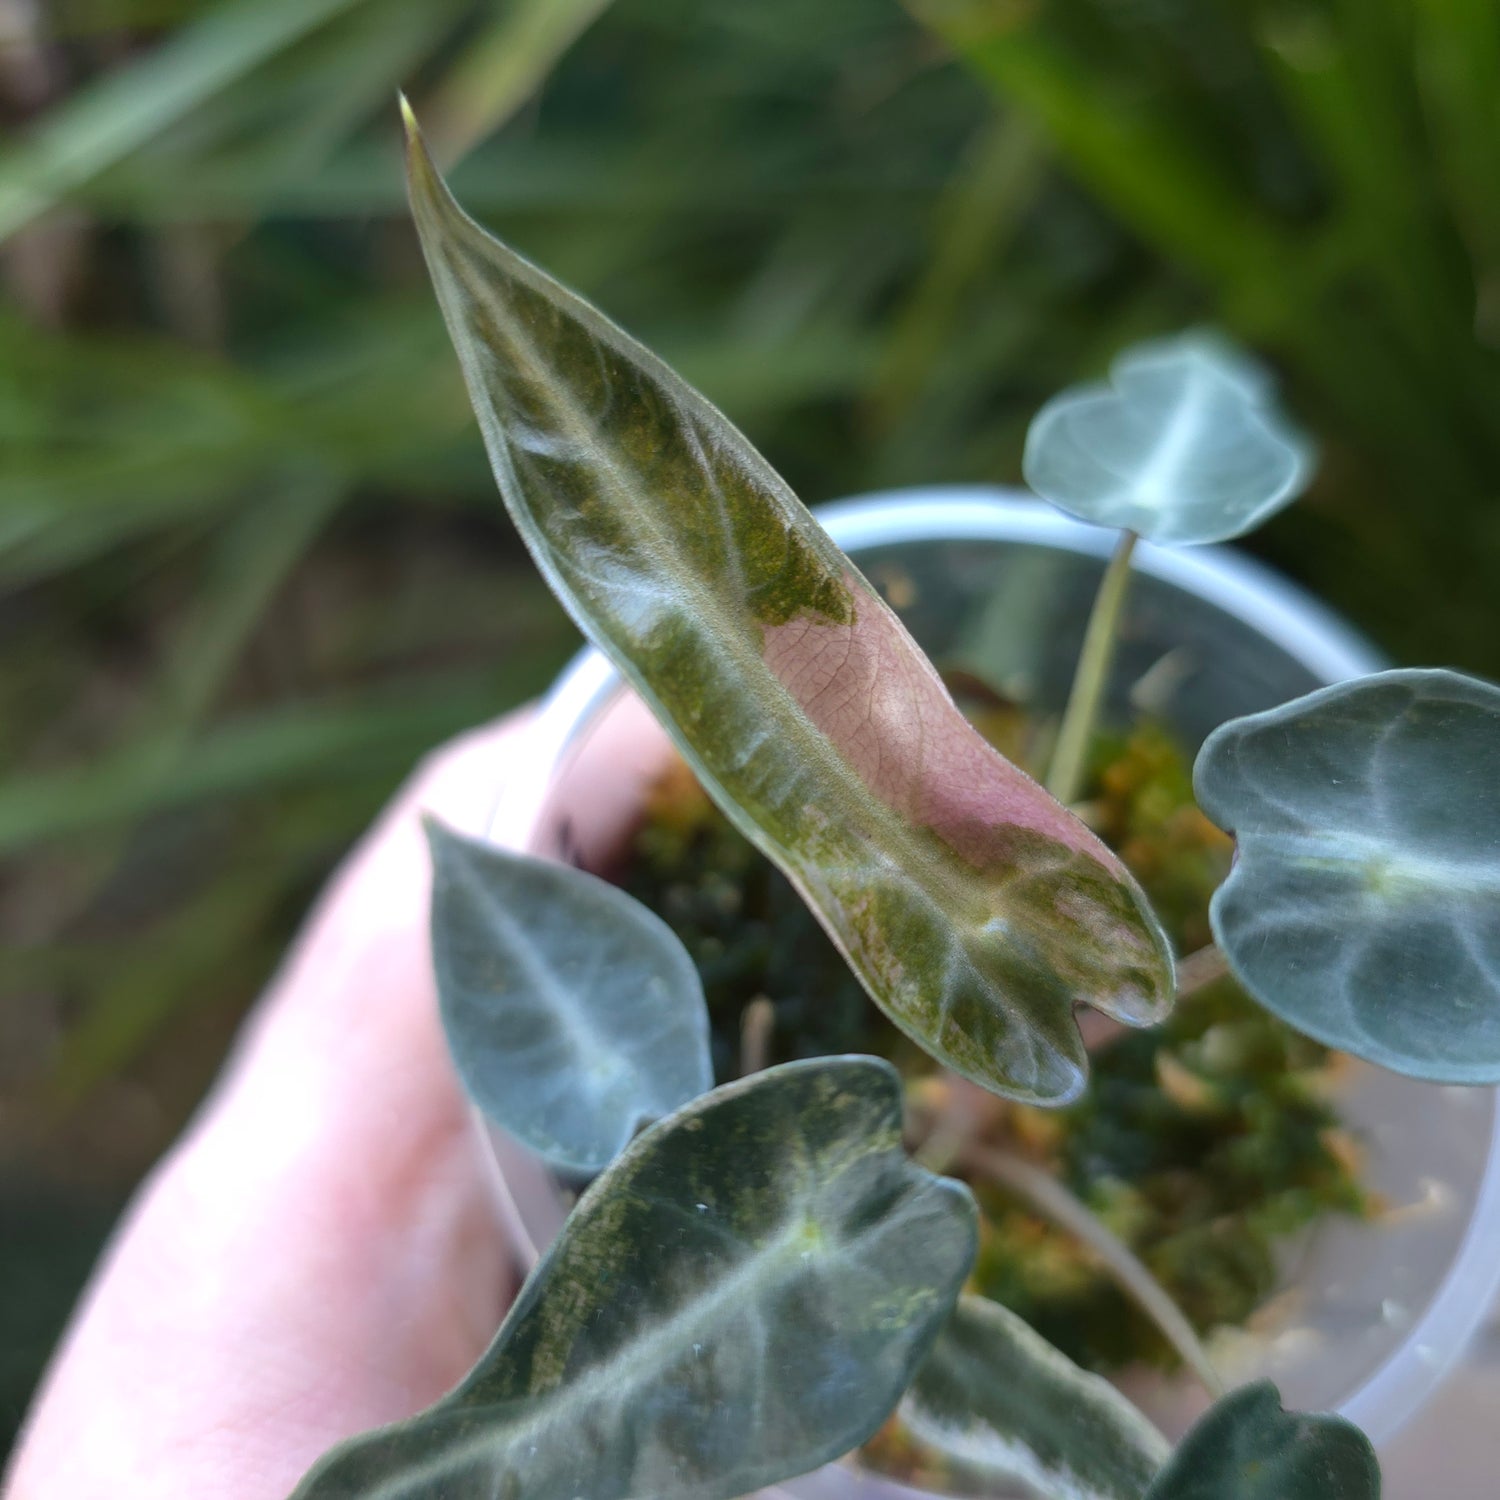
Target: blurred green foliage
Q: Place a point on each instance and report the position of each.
(251, 562)
(1325, 172)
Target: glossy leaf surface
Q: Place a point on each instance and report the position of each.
(1248, 1448)
(975, 909)
(574, 1014)
(1364, 903)
(742, 1296)
(1182, 446)
(995, 1403)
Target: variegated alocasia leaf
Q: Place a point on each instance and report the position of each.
(574, 1015)
(995, 1403)
(1364, 903)
(1184, 445)
(742, 1296)
(1248, 1448)
(975, 909)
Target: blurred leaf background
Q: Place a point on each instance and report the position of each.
(251, 562)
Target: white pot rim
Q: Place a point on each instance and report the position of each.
(1278, 610)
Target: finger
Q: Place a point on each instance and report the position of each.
(318, 1255)
(376, 902)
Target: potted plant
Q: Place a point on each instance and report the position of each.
(748, 1286)
(1379, 1307)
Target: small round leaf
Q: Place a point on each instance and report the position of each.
(1364, 904)
(1248, 1448)
(574, 1014)
(1183, 446)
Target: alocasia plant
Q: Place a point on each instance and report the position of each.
(789, 685)
(757, 1280)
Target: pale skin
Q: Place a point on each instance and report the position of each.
(319, 1254)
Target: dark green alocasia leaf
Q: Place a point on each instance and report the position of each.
(974, 908)
(1248, 1448)
(1184, 445)
(742, 1296)
(995, 1402)
(1364, 903)
(574, 1014)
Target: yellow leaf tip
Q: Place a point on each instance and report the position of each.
(409, 118)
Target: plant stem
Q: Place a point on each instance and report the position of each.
(1050, 1198)
(757, 1024)
(1199, 970)
(1066, 772)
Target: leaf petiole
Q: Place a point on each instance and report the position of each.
(1051, 1199)
(1201, 968)
(1066, 772)
(757, 1027)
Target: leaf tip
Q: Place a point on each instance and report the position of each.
(437, 835)
(409, 119)
(421, 171)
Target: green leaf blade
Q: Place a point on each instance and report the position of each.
(742, 1296)
(995, 1403)
(975, 909)
(1248, 1448)
(1364, 905)
(1182, 447)
(573, 1014)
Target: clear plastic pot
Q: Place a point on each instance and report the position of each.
(1374, 1315)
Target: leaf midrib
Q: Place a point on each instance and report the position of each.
(563, 1405)
(953, 893)
(1394, 867)
(538, 974)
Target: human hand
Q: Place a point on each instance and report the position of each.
(319, 1254)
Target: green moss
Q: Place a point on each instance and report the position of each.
(750, 934)
(1201, 1142)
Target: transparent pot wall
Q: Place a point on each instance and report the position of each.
(1370, 1313)
(1016, 614)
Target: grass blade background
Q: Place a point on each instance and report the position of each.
(125, 110)
(1310, 206)
(498, 69)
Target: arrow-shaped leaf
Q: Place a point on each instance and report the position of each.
(995, 1403)
(1364, 904)
(974, 908)
(573, 1014)
(742, 1296)
(1248, 1448)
